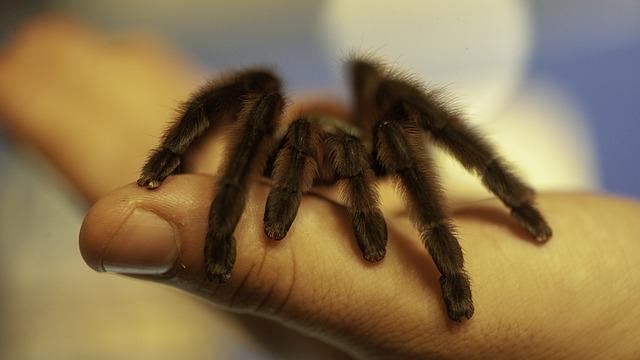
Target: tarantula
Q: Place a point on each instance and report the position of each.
(393, 118)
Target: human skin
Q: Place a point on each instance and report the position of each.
(572, 298)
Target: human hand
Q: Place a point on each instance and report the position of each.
(551, 301)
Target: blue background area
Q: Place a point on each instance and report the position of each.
(605, 80)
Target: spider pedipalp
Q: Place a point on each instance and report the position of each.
(386, 136)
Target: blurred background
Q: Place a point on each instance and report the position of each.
(554, 83)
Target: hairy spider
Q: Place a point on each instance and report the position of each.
(393, 117)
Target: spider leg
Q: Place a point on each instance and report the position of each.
(246, 157)
(253, 98)
(297, 167)
(378, 88)
(401, 154)
(350, 163)
(205, 107)
(165, 160)
(449, 131)
(294, 170)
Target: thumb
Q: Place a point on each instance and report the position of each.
(315, 279)
(158, 235)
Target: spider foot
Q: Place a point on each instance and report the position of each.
(217, 274)
(280, 211)
(531, 219)
(275, 231)
(371, 234)
(150, 182)
(160, 164)
(456, 292)
(220, 255)
(374, 254)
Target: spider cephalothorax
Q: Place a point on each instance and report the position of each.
(392, 119)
